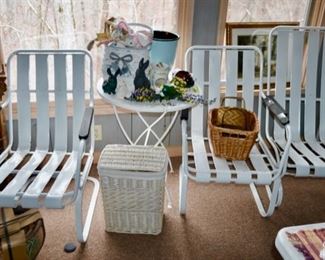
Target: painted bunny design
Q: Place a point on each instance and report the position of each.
(109, 86)
(141, 79)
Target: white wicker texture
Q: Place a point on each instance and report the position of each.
(133, 198)
(135, 157)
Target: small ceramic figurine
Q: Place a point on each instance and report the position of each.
(141, 79)
(159, 73)
(109, 86)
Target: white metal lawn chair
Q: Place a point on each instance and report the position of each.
(298, 79)
(43, 86)
(266, 164)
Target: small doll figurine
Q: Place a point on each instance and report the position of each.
(141, 79)
(109, 86)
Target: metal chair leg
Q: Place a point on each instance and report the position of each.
(274, 196)
(82, 229)
(183, 183)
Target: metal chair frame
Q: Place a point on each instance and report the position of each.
(266, 164)
(42, 176)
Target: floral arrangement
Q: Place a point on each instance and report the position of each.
(181, 87)
(118, 31)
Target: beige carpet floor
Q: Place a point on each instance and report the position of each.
(222, 222)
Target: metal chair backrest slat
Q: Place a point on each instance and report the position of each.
(23, 99)
(248, 78)
(296, 78)
(197, 112)
(61, 124)
(78, 95)
(311, 83)
(42, 100)
(231, 75)
(214, 77)
(322, 96)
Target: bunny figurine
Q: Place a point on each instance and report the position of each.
(109, 86)
(141, 79)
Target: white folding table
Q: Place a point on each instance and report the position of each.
(159, 108)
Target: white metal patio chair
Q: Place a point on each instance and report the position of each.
(298, 79)
(51, 148)
(266, 164)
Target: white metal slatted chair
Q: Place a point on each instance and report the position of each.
(299, 78)
(34, 176)
(266, 164)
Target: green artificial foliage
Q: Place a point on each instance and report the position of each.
(170, 92)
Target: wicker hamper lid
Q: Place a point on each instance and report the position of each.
(133, 157)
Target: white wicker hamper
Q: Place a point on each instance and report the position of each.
(133, 187)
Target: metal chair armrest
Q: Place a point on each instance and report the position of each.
(86, 123)
(184, 114)
(276, 109)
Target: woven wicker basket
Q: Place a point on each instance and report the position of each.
(232, 131)
(133, 188)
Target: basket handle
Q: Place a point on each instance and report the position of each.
(242, 100)
(142, 25)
